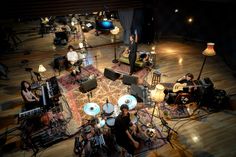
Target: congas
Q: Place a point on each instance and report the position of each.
(108, 109)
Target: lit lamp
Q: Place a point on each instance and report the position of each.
(153, 56)
(81, 45)
(153, 50)
(115, 31)
(158, 96)
(41, 69)
(208, 52)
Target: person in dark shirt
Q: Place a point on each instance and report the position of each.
(122, 133)
(132, 52)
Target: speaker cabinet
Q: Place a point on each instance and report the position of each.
(138, 91)
(88, 85)
(110, 74)
(128, 80)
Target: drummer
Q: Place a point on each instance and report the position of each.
(123, 132)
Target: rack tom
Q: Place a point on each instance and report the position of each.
(108, 109)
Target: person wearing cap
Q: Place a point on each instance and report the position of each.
(124, 137)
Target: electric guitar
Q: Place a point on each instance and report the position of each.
(125, 53)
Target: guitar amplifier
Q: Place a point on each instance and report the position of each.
(207, 83)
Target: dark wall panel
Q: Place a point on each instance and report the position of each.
(37, 8)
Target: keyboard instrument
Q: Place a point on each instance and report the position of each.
(30, 113)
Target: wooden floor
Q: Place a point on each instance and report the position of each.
(210, 136)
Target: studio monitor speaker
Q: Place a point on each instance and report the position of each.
(110, 74)
(88, 85)
(139, 92)
(128, 80)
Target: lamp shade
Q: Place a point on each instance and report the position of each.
(158, 93)
(115, 31)
(81, 45)
(41, 68)
(209, 51)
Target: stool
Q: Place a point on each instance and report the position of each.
(156, 77)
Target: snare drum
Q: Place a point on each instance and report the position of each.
(108, 109)
(110, 122)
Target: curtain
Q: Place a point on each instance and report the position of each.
(126, 18)
(137, 24)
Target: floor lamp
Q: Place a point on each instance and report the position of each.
(208, 52)
(115, 31)
(158, 96)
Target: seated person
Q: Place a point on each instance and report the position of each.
(66, 28)
(124, 136)
(184, 84)
(145, 56)
(31, 101)
(74, 61)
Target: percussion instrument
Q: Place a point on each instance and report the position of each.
(91, 109)
(108, 109)
(151, 133)
(110, 122)
(87, 129)
(129, 100)
(101, 123)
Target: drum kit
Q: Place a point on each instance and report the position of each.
(94, 131)
(110, 111)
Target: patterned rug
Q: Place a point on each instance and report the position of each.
(68, 82)
(124, 70)
(106, 89)
(154, 143)
(174, 111)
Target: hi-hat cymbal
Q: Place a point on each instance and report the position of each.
(91, 109)
(129, 100)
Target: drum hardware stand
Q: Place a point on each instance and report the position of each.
(167, 138)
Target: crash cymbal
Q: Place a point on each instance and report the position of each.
(91, 109)
(129, 100)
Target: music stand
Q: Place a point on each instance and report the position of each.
(31, 75)
(38, 76)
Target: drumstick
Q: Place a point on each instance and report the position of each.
(107, 102)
